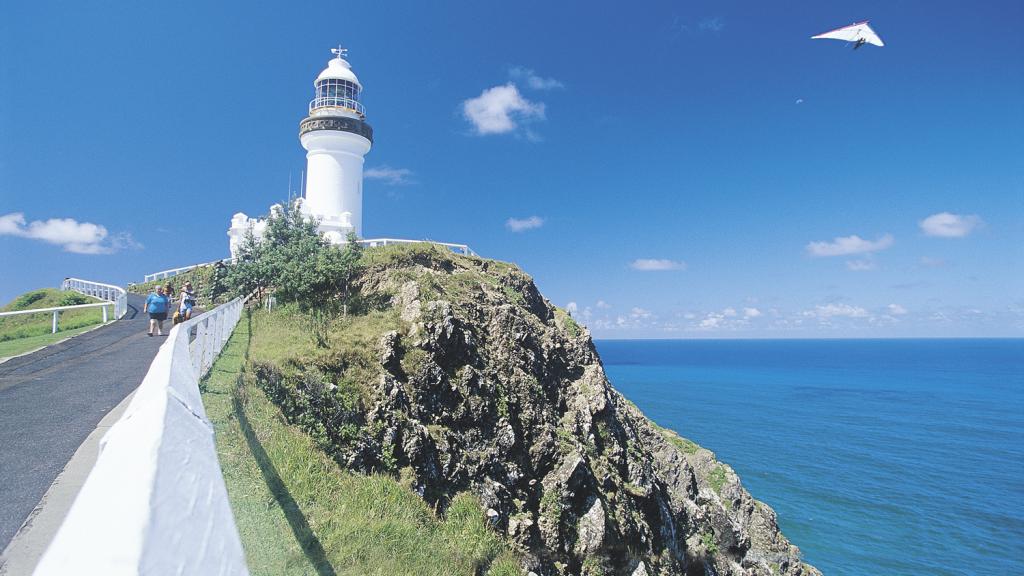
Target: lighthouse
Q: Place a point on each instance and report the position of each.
(336, 137)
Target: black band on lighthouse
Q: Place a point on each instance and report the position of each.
(341, 123)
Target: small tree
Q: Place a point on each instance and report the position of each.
(219, 285)
(298, 263)
(247, 273)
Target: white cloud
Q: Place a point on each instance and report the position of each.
(846, 245)
(799, 100)
(524, 224)
(533, 80)
(601, 304)
(827, 311)
(637, 312)
(896, 310)
(727, 318)
(932, 262)
(498, 110)
(861, 265)
(71, 235)
(571, 308)
(710, 322)
(389, 175)
(947, 225)
(656, 265)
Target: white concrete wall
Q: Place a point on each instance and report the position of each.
(155, 502)
(334, 174)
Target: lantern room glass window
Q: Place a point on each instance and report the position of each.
(336, 93)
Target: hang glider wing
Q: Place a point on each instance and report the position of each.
(859, 32)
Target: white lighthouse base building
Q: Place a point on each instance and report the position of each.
(335, 228)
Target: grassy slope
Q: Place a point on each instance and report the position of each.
(20, 346)
(28, 325)
(299, 513)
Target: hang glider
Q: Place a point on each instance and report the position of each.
(859, 33)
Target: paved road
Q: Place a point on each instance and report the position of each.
(52, 399)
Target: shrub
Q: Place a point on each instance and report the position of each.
(298, 262)
(717, 479)
(26, 300)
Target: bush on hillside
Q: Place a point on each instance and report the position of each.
(297, 263)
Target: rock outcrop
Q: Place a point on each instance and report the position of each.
(482, 385)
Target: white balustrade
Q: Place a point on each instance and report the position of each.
(374, 242)
(108, 292)
(175, 271)
(155, 501)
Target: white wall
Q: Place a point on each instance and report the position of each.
(155, 502)
(334, 174)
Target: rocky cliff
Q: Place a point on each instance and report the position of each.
(473, 381)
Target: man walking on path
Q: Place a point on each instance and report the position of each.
(156, 306)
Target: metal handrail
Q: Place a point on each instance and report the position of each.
(209, 331)
(56, 310)
(337, 102)
(374, 242)
(175, 271)
(109, 292)
(115, 296)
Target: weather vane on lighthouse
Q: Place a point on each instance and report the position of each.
(339, 51)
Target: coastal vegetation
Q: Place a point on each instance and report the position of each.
(441, 398)
(299, 512)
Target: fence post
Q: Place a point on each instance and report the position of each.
(104, 314)
(55, 314)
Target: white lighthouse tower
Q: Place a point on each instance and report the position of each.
(336, 137)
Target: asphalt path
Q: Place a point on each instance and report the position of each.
(52, 399)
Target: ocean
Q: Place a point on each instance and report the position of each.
(881, 457)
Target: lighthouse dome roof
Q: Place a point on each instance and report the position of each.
(339, 69)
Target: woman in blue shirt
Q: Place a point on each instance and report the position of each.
(156, 305)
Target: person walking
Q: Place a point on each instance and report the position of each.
(169, 291)
(188, 300)
(156, 306)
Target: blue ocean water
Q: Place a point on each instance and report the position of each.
(902, 457)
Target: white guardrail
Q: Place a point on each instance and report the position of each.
(155, 501)
(175, 271)
(108, 292)
(460, 248)
(116, 298)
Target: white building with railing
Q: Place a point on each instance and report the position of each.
(336, 137)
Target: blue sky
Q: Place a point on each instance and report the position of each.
(665, 169)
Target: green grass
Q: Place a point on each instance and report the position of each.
(685, 445)
(708, 539)
(563, 319)
(717, 479)
(30, 325)
(10, 348)
(299, 513)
